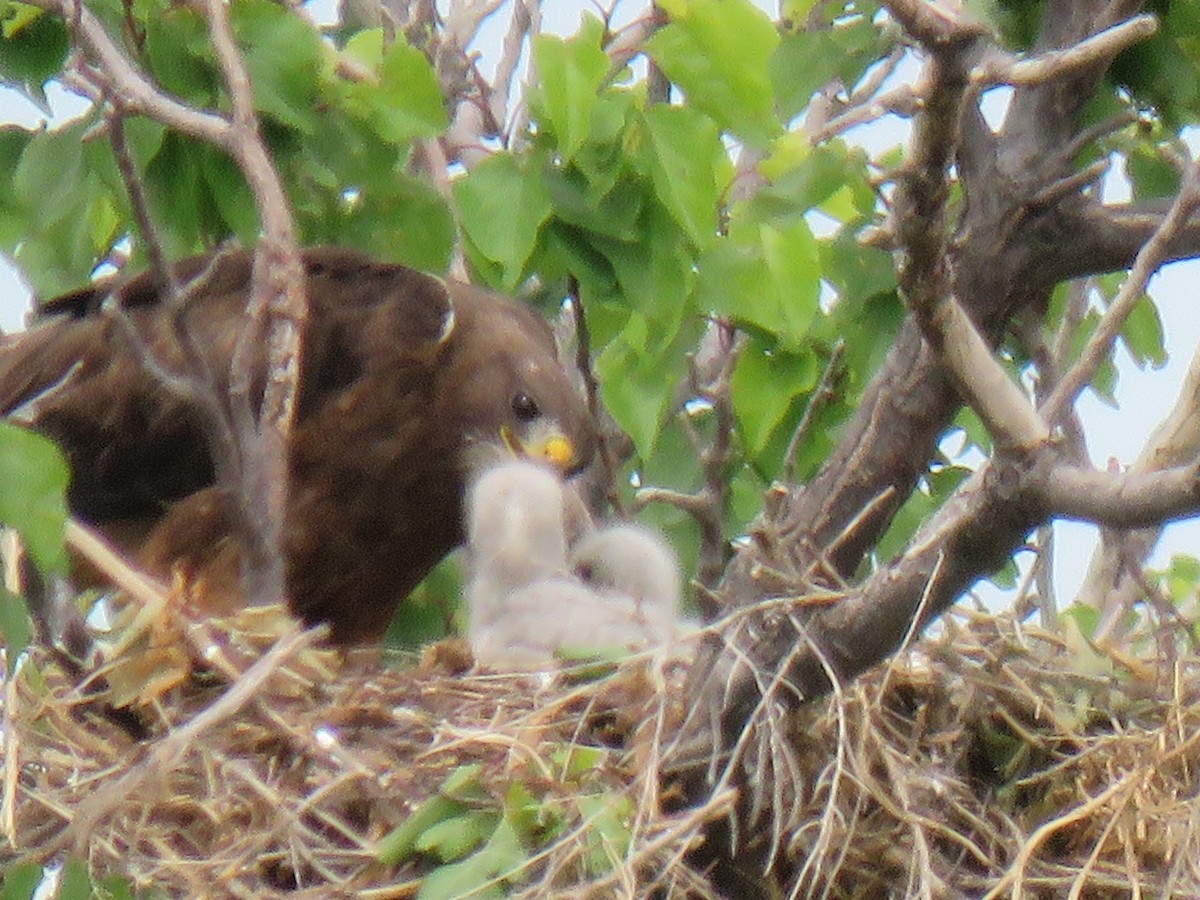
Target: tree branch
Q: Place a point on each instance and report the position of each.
(1125, 500)
(1152, 255)
(277, 307)
(139, 94)
(999, 69)
(925, 273)
(1108, 585)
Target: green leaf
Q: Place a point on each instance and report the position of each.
(1143, 334)
(656, 272)
(178, 54)
(16, 16)
(48, 179)
(1151, 174)
(115, 887)
(573, 761)
(718, 52)
(58, 259)
(74, 883)
(33, 485)
(283, 56)
(636, 381)
(607, 818)
(20, 881)
(857, 272)
(533, 819)
(1104, 382)
(502, 206)
(422, 618)
(346, 152)
(16, 628)
(175, 187)
(1182, 577)
(453, 838)
(366, 47)
(231, 195)
(765, 383)
(13, 219)
(745, 498)
(400, 843)
(460, 788)
(406, 104)
(570, 73)
(905, 523)
(832, 177)
(481, 874)
(688, 166)
(33, 47)
(1006, 576)
(401, 218)
(808, 59)
(1085, 617)
(613, 214)
(763, 276)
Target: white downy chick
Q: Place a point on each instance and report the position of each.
(514, 535)
(629, 562)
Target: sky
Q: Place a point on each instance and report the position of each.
(1145, 396)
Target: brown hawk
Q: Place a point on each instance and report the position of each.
(409, 383)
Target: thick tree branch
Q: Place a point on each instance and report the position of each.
(925, 276)
(1095, 238)
(1127, 500)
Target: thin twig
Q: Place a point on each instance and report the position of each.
(609, 461)
(822, 393)
(1152, 255)
(1097, 49)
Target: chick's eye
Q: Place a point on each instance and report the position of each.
(524, 407)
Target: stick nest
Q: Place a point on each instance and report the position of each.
(994, 760)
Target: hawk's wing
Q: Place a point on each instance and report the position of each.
(134, 443)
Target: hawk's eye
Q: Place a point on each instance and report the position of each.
(524, 407)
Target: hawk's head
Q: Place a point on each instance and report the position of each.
(506, 390)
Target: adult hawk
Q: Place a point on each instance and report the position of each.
(409, 383)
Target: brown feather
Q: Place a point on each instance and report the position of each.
(391, 415)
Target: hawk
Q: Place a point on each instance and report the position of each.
(409, 384)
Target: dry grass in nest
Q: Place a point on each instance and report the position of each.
(997, 760)
(305, 775)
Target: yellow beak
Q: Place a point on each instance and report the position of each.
(554, 448)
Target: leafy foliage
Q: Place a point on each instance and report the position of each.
(340, 145)
(480, 843)
(655, 213)
(33, 494)
(635, 203)
(25, 880)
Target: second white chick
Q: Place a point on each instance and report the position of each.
(631, 563)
